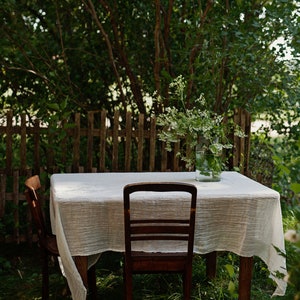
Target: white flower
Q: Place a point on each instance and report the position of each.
(292, 236)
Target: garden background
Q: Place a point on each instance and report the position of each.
(60, 58)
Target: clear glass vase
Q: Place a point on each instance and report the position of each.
(208, 166)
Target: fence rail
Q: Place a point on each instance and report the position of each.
(94, 142)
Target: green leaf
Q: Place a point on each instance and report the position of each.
(295, 187)
(230, 270)
(231, 287)
(53, 106)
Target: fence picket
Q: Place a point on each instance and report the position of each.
(23, 142)
(36, 143)
(152, 144)
(128, 135)
(2, 193)
(102, 142)
(9, 140)
(76, 143)
(90, 141)
(140, 142)
(15, 196)
(115, 141)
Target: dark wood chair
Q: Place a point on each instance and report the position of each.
(47, 240)
(163, 229)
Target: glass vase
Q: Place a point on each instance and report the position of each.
(208, 166)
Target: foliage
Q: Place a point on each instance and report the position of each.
(293, 238)
(284, 152)
(22, 278)
(196, 126)
(287, 178)
(58, 57)
(64, 56)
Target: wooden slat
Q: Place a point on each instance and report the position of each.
(152, 144)
(242, 140)
(128, 141)
(175, 157)
(241, 149)
(236, 144)
(140, 143)
(164, 157)
(36, 141)
(76, 143)
(29, 231)
(23, 142)
(247, 117)
(102, 141)
(2, 193)
(115, 136)
(90, 141)
(9, 141)
(16, 204)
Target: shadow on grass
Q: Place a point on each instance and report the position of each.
(20, 277)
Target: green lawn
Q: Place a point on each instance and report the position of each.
(20, 278)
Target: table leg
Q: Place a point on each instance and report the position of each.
(245, 276)
(211, 264)
(81, 263)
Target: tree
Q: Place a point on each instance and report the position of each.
(64, 56)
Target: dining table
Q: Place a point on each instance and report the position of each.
(236, 214)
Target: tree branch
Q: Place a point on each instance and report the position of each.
(195, 50)
(91, 9)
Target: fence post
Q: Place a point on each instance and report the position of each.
(15, 198)
(140, 143)
(9, 134)
(152, 144)
(23, 144)
(115, 138)
(128, 141)
(36, 141)
(2, 193)
(90, 142)
(241, 149)
(102, 142)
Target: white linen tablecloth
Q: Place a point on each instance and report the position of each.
(236, 214)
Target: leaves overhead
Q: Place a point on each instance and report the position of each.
(114, 53)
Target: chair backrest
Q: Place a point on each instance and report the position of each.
(161, 227)
(32, 185)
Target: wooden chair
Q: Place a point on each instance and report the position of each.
(163, 229)
(47, 241)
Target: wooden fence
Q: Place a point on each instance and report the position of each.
(94, 142)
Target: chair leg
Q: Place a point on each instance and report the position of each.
(187, 285)
(211, 264)
(92, 282)
(45, 276)
(128, 286)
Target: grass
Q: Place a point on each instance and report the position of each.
(20, 276)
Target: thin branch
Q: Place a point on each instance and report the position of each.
(157, 47)
(63, 52)
(123, 59)
(195, 50)
(91, 9)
